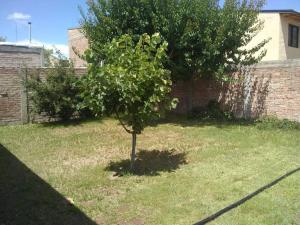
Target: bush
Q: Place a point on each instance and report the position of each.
(58, 95)
(272, 122)
(212, 111)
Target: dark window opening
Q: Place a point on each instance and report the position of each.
(293, 36)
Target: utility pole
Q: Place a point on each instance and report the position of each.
(29, 23)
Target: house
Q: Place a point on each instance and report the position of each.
(15, 55)
(281, 26)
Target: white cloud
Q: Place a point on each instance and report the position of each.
(17, 16)
(64, 49)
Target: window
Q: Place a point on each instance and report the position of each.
(293, 36)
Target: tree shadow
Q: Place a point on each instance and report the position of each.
(185, 121)
(150, 163)
(247, 97)
(25, 198)
(69, 123)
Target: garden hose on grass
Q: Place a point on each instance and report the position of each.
(246, 198)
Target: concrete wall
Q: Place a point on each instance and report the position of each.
(269, 88)
(80, 43)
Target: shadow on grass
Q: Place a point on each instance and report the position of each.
(149, 163)
(184, 121)
(25, 198)
(69, 123)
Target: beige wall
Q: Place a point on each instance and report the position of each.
(80, 43)
(271, 30)
(276, 27)
(287, 52)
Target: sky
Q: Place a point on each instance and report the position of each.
(51, 19)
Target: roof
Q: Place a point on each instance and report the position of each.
(28, 45)
(283, 11)
(74, 28)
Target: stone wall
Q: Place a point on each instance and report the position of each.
(271, 88)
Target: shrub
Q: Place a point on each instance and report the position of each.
(58, 95)
(272, 122)
(212, 111)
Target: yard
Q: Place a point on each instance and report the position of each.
(77, 174)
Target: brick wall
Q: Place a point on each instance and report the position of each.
(20, 56)
(14, 104)
(20, 59)
(76, 39)
(10, 95)
(268, 89)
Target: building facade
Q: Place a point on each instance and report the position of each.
(282, 27)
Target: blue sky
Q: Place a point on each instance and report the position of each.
(51, 19)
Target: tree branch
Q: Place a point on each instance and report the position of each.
(123, 125)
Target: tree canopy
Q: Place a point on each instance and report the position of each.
(132, 82)
(205, 39)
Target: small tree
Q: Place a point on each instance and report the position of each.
(2, 39)
(132, 83)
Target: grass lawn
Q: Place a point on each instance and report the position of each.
(186, 171)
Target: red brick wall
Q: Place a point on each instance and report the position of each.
(192, 94)
(269, 89)
(77, 40)
(13, 99)
(10, 95)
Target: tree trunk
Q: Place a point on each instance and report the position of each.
(133, 151)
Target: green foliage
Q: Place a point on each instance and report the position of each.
(272, 122)
(132, 81)
(58, 95)
(212, 111)
(205, 39)
(48, 55)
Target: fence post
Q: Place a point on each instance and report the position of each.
(24, 96)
